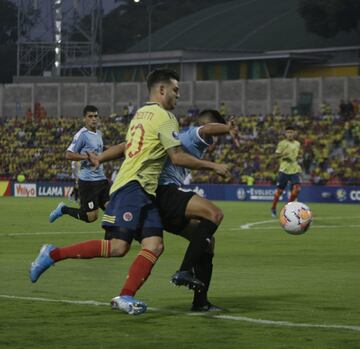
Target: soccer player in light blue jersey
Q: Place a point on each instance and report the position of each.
(185, 213)
(93, 185)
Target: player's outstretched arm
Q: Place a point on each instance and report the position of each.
(112, 153)
(180, 158)
(213, 129)
(217, 129)
(115, 152)
(75, 156)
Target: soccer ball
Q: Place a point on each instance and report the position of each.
(295, 218)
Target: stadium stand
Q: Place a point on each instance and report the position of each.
(36, 148)
(331, 144)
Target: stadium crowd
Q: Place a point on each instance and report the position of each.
(330, 144)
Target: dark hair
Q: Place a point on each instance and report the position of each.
(161, 75)
(289, 128)
(89, 108)
(213, 114)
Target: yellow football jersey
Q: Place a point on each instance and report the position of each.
(288, 162)
(151, 132)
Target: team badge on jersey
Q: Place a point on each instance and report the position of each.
(91, 205)
(127, 217)
(175, 135)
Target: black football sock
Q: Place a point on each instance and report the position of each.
(203, 272)
(76, 213)
(198, 244)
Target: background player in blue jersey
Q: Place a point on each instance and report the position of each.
(185, 213)
(93, 185)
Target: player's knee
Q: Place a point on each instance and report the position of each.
(217, 215)
(92, 216)
(296, 188)
(119, 248)
(154, 244)
(157, 248)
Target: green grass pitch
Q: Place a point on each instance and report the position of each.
(281, 291)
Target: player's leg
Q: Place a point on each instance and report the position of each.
(88, 211)
(139, 271)
(280, 186)
(49, 254)
(295, 186)
(135, 212)
(210, 217)
(75, 192)
(172, 202)
(203, 271)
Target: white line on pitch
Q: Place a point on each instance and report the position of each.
(223, 317)
(250, 225)
(242, 227)
(51, 233)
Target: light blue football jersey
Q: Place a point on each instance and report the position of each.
(193, 144)
(88, 141)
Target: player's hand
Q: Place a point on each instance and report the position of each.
(93, 159)
(221, 169)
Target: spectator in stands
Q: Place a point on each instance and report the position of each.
(131, 110)
(40, 152)
(223, 110)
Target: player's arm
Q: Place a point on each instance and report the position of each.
(112, 153)
(213, 129)
(76, 156)
(73, 152)
(300, 154)
(180, 158)
(217, 129)
(281, 153)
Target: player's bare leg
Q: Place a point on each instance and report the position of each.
(276, 199)
(294, 192)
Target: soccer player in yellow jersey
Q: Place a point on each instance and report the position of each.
(289, 152)
(131, 212)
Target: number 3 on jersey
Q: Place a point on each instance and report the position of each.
(136, 140)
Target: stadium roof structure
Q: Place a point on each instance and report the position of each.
(271, 32)
(249, 26)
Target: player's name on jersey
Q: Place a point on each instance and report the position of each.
(144, 115)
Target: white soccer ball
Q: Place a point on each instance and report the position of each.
(295, 218)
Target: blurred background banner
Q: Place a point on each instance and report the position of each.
(226, 192)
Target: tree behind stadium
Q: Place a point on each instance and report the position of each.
(329, 17)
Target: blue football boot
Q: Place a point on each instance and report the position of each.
(128, 305)
(42, 262)
(57, 213)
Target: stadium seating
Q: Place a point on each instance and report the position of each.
(330, 143)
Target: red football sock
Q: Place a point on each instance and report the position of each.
(138, 272)
(86, 249)
(276, 198)
(293, 195)
(294, 192)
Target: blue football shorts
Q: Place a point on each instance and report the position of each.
(283, 180)
(131, 214)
